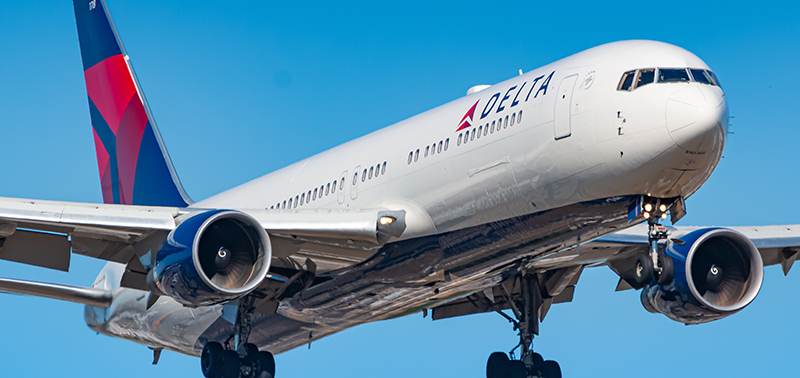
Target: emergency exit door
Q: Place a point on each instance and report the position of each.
(562, 127)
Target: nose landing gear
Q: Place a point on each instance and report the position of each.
(526, 311)
(654, 264)
(244, 362)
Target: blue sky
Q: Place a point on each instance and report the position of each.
(240, 89)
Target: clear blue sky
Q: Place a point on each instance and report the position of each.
(240, 89)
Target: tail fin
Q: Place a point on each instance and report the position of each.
(135, 168)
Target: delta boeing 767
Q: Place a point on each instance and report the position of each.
(516, 188)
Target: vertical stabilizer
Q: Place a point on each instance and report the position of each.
(135, 168)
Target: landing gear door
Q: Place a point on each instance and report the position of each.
(562, 123)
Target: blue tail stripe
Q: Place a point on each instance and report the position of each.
(94, 32)
(110, 143)
(153, 185)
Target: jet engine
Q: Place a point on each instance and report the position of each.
(717, 272)
(212, 257)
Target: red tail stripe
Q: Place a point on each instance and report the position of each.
(129, 139)
(110, 86)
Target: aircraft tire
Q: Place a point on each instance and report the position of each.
(497, 365)
(211, 360)
(264, 365)
(643, 270)
(667, 270)
(517, 369)
(550, 369)
(230, 364)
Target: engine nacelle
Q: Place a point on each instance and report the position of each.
(212, 257)
(717, 272)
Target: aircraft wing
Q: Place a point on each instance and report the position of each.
(559, 272)
(46, 233)
(778, 244)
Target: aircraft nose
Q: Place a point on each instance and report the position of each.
(697, 117)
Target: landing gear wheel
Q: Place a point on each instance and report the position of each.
(536, 361)
(497, 365)
(550, 369)
(211, 360)
(643, 270)
(250, 351)
(230, 364)
(667, 270)
(517, 369)
(264, 366)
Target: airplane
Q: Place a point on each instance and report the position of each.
(308, 225)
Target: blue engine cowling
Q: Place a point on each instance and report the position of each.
(717, 272)
(212, 257)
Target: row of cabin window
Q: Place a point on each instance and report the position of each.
(301, 199)
(379, 169)
(483, 130)
(433, 149)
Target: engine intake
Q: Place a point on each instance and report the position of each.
(212, 257)
(718, 272)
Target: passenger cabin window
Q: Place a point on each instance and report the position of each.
(513, 116)
(290, 203)
(314, 196)
(466, 137)
(626, 81)
(341, 183)
(439, 150)
(328, 187)
(672, 75)
(446, 144)
(519, 117)
(370, 172)
(492, 130)
(302, 199)
(458, 142)
(364, 175)
(383, 168)
(416, 155)
(480, 131)
(646, 76)
(410, 156)
(426, 150)
(355, 178)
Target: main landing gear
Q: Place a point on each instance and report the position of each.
(526, 311)
(654, 264)
(246, 361)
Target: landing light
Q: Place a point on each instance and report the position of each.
(385, 221)
(663, 208)
(648, 207)
(646, 215)
(663, 215)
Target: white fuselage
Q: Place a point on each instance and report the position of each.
(618, 143)
(575, 138)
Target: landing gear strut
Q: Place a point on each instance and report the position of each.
(526, 311)
(654, 264)
(244, 362)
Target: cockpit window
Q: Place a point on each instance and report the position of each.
(672, 75)
(716, 80)
(701, 76)
(626, 81)
(646, 76)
